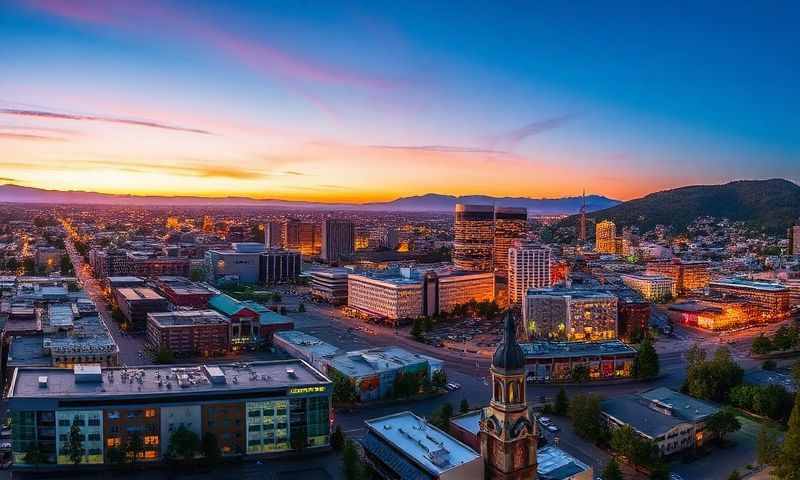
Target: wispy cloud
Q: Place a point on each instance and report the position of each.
(8, 179)
(437, 148)
(187, 170)
(514, 137)
(29, 136)
(43, 114)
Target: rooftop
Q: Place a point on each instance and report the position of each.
(360, 363)
(311, 344)
(156, 380)
(429, 447)
(682, 406)
(556, 464)
(573, 293)
(469, 421)
(572, 349)
(139, 293)
(742, 283)
(631, 410)
(188, 317)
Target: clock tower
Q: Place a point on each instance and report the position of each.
(507, 430)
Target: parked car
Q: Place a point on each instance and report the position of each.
(553, 428)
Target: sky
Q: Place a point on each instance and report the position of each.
(370, 101)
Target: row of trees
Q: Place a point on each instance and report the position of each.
(785, 338)
(711, 379)
(785, 457)
(772, 401)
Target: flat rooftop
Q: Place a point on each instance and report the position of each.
(573, 349)
(556, 464)
(157, 380)
(469, 421)
(683, 406)
(374, 360)
(570, 292)
(308, 343)
(184, 318)
(139, 293)
(432, 449)
(742, 283)
(633, 411)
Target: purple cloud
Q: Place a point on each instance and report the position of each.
(100, 118)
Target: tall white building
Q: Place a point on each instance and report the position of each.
(528, 267)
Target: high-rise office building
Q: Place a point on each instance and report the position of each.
(528, 267)
(605, 237)
(570, 315)
(273, 232)
(304, 237)
(338, 239)
(279, 266)
(473, 245)
(510, 225)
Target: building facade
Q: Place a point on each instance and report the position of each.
(136, 303)
(528, 267)
(330, 285)
(279, 266)
(655, 288)
(773, 299)
(510, 225)
(338, 240)
(304, 237)
(473, 244)
(247, 415)
(688, 276)
(570, 315)
(605, 237)
(189, 332)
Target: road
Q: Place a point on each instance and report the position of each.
(129, 345)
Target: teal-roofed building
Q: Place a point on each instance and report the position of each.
(252, 324)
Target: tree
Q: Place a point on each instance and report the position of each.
(612, 471)
(74, 445)
(796, 372)
(587, 417)
(735, 475)
(197, 275)
(767, 447)
(624, 440)
(34, 455)
(209, 447)
(337, 439)
(66, 265)
(722, 423)
(417, 330)
(464, 407)
(344, 392)
(352, 467)
(713, 379)
(646, 365)
(115, 455)
(787, 466)
(164, 355)
(761, 345)
(301, 308)
(29, 266)
(134, 447)
(561, 406)
(439, 379)
(183, 443)
(695, 355)
(580, 373)
(441, 416)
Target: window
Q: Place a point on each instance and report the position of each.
(150, 413)
(113, 442)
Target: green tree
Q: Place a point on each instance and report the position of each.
(301, 308)
(612, 471)
(66, 265)
(787, 466)
(115, 456)
(713, 379)
(34, 455)
(439, 379)
(561, 406)
(464, 407)
(337, 438)
(418, 330)
(580, 373)
(767, 446)
(735, 475)
(74, 445)
(695, 355)
(647, 365)
(351, 463)
(197, 275)
(183, 443)
(761, 345)
(722, 423)
(587, 418)
(344, 392)
(796, 372)
(209, 447)
(134, 448)
(441, 416)
(164, 356)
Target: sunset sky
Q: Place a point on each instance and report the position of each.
(373, 100)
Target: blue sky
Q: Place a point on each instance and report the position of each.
(380, 99)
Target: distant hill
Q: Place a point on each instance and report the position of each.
(768, 204)
(424, 203)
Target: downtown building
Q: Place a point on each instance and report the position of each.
(570, 315)
(303, 237)
(772, 299)
(473, 244)
(279, 266)
(252, 409)
(189, 332)
(794, 239)
(528, 267)
(338, 240)
(406, 294)
(606, 237)
(688, 275)
(510, 225)
(251, 263)
(655, 288)
(330, 285)
(135, 303)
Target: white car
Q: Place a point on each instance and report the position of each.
(553, 428)
(544, 420)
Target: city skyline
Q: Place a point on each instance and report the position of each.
(354, 103)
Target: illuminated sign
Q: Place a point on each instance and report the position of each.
(304, 390)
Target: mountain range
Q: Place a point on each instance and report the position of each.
(430, 202)
(771, 205)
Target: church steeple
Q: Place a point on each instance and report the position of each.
(508, 434)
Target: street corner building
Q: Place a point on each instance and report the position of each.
(253, 409)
